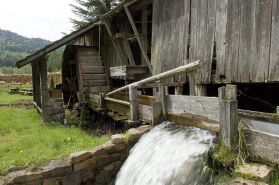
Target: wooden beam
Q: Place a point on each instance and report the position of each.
(36, 83)
(168, 84)
(133, 103)
(163, 100)
(113, 42)
(128, 51)
(43, 70)
(138, 38)
(54, 46)
(174, 72)
(144, 25)
(38, 108)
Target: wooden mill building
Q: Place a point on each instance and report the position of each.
(237, 42)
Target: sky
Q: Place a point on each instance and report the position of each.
(44, 19)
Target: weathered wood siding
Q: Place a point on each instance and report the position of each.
(207, 107)
(169, 34)
(245, 33)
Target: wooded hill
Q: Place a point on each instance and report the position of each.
(14, 47)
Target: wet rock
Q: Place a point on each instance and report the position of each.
(241, 181)
(79, 156)
(55, 168)
(73, 179)
(117, 139)
(261, 172)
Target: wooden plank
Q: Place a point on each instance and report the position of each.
(100, 89)
(84, 53)
(144, 26)
(94, 76)
(133, 103)
(118, 71)
(221, 24)
(274, 46)
(210, 18)
(195, 121)
(232, 41)
(94, 98)
(88, 58)
(247, 41)
(43, 71)
(94, 82)
(79, 71)
(262, 40)
(117, 107)
(54, 46)
(93, 69)
(145, 113)
(91, 63)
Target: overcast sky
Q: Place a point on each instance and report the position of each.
(37, 18)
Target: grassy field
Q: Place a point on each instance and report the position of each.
(6, 98)
(25, 140)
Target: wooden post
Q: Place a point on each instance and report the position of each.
(36, 84)
(133, 103)
(102, 101)
(177, 90)
(43, 70)
(156, 113)
(114, 43)
(138, 38)
(231, 92)
(277, 110)
(163, 100)
(144, 26)
(228, 117)
(200, 90)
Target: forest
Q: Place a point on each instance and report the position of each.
(14, 47)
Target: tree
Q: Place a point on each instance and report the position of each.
(90, 10)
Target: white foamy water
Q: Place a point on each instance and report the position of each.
(168, 154)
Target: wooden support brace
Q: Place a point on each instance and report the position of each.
(138, 38)
(129, 52)
(133, 103)
(114, 43)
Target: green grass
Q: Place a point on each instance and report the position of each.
(25, 140)
(6, 98)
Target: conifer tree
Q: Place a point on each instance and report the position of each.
(91, 9)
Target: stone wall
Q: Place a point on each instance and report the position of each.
(27, 78)
(263, 144)
(99, 166)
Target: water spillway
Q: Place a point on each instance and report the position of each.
(168, 154)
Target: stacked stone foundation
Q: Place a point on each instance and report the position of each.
(99, 166)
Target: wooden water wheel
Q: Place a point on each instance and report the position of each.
(81, 67)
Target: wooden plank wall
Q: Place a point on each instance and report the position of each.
(207, 107)
(245, 33)
(169, 34)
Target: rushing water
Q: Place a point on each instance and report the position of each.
(168, 154)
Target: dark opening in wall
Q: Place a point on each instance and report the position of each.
(256, 97)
